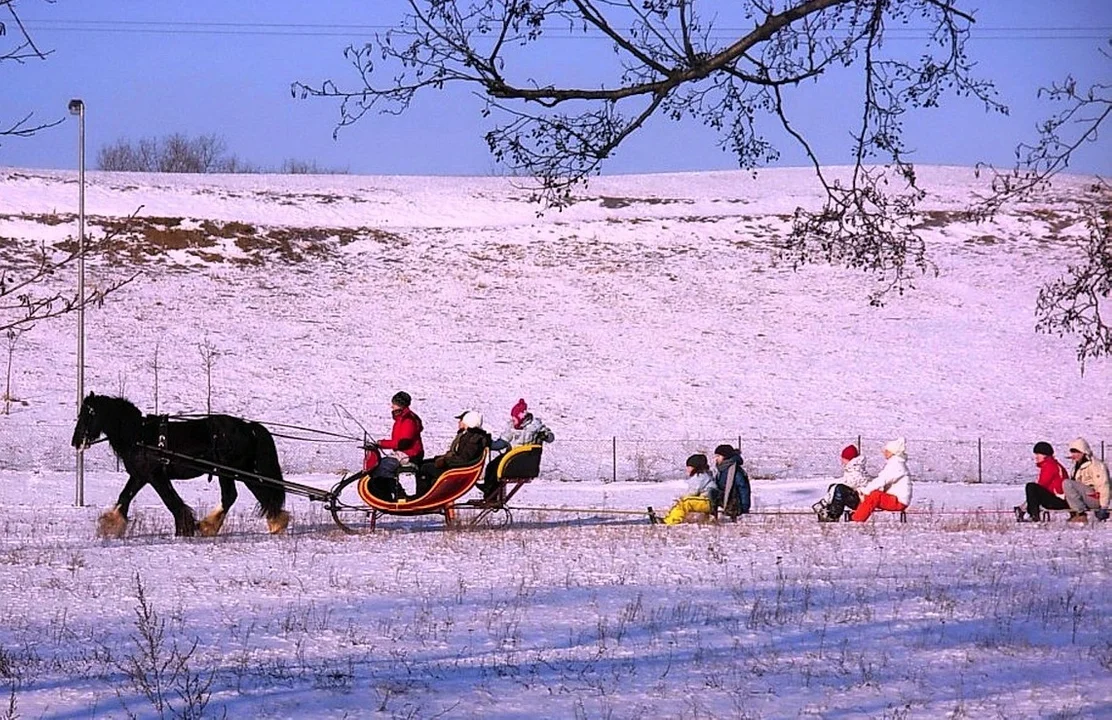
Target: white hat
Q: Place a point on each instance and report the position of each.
(1082, 446)
(896, 447)
(471, 418)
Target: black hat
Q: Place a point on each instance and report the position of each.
(401, 399)
(725, 451)
(1043, 448)
(699, 462)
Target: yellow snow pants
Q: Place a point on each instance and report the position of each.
(687, 504)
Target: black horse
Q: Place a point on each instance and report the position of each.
(157, 450)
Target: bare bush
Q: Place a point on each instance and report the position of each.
(175, 153)
(161, 671)
(293, 166)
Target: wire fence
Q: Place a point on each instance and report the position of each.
(45, 447)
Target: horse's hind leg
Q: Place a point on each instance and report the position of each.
(185, 522)
(271, 499)
(210, 525)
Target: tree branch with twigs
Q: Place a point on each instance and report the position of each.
(671, 61)
(26, 299)
(17, 46)
(1076, 303)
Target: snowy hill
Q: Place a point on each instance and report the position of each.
(648, 321)
(653, 311)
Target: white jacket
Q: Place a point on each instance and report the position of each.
(893, 479)
(702, 484)
(854, 473)
(533, 431)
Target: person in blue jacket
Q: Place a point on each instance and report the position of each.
(734, 493)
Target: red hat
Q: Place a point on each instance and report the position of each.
(849, 452)
(518, 412)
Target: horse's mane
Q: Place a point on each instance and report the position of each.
(118, 416)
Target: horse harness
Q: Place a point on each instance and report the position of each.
(162, 446)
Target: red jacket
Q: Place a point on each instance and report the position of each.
(1051, 475)
(406, 435)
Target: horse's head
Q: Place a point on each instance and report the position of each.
(90, 424)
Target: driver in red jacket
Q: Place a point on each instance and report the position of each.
(406, 435)
(405, 438)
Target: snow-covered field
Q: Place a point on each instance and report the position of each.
(648, 321)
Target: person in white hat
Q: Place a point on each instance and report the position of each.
(1088, 487)
(467, 447)
(891, 489)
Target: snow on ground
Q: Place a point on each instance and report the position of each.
(648, 321)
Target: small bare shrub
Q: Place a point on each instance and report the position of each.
(160, 671)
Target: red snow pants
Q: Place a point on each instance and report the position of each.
(876, 500)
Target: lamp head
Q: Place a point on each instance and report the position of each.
(76, 106)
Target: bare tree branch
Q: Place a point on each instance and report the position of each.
(21, 49)
(23, 299)
(1075, 304)
(669, 61)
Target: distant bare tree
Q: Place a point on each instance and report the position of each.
(155, 367)
(13, 338)
(209, 355)
(671, 59)
(1077, 303)
(293, 166)
(17, 46)
(176, 153)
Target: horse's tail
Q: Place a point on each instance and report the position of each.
(271, 496)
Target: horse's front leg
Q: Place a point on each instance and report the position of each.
(211, 523)
(185, 522)
(113, 523)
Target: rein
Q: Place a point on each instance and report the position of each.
(299, 428)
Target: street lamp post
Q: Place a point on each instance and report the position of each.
(77, 107)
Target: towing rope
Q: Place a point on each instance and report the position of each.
(772, 513)
(604, 511)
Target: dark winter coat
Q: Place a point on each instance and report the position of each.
(466, 449)
(741, 490)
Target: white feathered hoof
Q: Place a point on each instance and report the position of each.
(112, 524)
(210, 524)
(278, 523)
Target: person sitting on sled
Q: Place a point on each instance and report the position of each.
(844, 493)
(891, 489)
(734, 493)
(1089, 487)
(523, 429)
(467, 448)
(703, 486)
(1047, 491)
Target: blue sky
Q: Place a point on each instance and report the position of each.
(153, 68)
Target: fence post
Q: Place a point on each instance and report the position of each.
(1102, 451)
(979, 477)
(859, 450)
(738, 446)
(614, 458)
